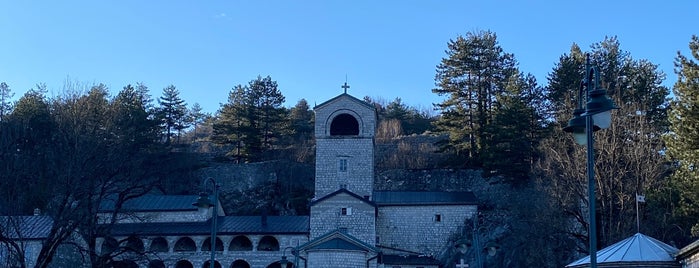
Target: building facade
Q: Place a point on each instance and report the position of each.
(350, 224)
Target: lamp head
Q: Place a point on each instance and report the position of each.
(577, 126)
(283, 262)
(462, 245)
(599, 106)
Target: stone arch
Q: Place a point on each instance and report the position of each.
(134, 244)
(344, 124)
(185, 244)
(156, 264)
(240, 243)
(124, 264)
(184, 264)
(276, 264)
(109, 245)
(268, 243)
(206, 245)
(207, 265)
(240, 264)
(159, 244)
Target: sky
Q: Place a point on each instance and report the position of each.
(383, 49)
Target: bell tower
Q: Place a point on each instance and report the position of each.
(344, 132)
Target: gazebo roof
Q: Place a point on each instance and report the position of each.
(636, 249)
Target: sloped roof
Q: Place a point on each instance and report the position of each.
(342, 190)
(688, 250)
(26, 227)
(405, 198)
(226, 225)
(347, 96)
(153, 202)
(636, 250)
(409, 260)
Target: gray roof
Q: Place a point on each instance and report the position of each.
(26, 227)
(337, 239)
(345, 95)
(393, 198)
(635, 250)
(226, 225)
(409, 260)
(153, 202)
(688, 250)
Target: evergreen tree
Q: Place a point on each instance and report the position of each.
(472, 75)
(515, 131)
(252, 120)
(196, 117)
(5, 100)
(172, 112)
(683, 138)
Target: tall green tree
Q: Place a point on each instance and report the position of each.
(172, 112)
(683, 137)
(5, 100)
(516, 129)
(252, 120)
(474, 72)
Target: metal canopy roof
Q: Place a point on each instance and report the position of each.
(637, 250)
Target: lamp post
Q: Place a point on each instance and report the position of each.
(283, 262)
(462, 245)
(595, 116)
(203, 202)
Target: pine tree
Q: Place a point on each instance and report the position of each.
(252, 120)
(515, 131)
(472, 75)
(683, 138)
(5, 100)
(172, 112)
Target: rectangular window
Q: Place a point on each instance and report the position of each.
(343, 165)
(346, 211)
(437, 217)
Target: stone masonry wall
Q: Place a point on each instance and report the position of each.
(359, 176)
(339, 259)
(325, 217)
(415, 228)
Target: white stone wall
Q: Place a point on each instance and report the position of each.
(326, 217)
(339, 259)
(359, 154)
(414, 228)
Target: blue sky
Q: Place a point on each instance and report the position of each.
(386, 49)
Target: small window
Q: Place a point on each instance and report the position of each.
(343, 165)
(346, 211)
(437, 217)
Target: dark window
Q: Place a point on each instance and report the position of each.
(438, 217)
(343, 165)
(346, 211)
(159, 244)
(344, 125)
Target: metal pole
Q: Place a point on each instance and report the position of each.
(214, 216)
(591, 174)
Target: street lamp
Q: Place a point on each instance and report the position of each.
(595, 116)
(462, 245)
(204, 203)
(283, 262)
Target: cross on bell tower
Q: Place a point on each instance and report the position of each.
(345, 87)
